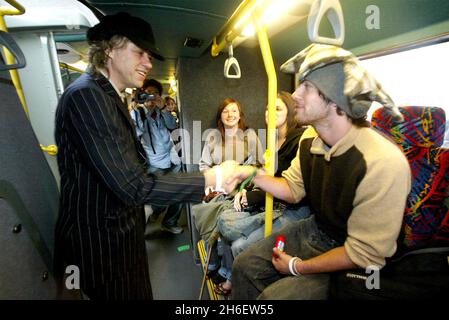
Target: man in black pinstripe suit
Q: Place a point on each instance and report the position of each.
(104, 184)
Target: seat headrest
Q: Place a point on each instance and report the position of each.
(422, 126)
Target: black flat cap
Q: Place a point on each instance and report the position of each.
(135, 29)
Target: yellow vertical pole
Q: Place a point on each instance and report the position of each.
(271, 131)
(9, 57)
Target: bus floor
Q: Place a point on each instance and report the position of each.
(173, 272)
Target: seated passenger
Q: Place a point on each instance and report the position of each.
(232, 140)
(287, 139)
(356, 182)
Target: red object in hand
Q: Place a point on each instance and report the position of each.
(280, 243)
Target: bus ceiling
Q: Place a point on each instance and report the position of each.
(371, 25)
(187, 28)
(257, 14)
(65, 16)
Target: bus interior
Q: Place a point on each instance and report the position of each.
(213, 49)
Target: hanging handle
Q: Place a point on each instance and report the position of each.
(332, 9)
(231, 62)
(17, 10)
(7, 41)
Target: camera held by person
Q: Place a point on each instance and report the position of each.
(141, 97)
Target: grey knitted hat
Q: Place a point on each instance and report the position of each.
(330, 80)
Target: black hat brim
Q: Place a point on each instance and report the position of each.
(135, 29)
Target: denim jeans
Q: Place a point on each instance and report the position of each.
(231, 251)
(254, 276)
(226, 261)
(214, 260)
(289, 216)
(173, 211)
(221, 259)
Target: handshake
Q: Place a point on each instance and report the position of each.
(227, 176)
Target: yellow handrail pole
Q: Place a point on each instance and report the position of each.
(272, 94)
(17, 10)
(51, 149)
(65, 65)
(228, 33)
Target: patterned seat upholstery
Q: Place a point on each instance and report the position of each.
(420, 136)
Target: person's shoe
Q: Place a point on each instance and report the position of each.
(217, 278)
(222, 290)
(211, 273)
(172, 229)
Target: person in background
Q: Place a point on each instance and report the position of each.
(232, 140)
(171, 106)
(153, 125)
(287, 138)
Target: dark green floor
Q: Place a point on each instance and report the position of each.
(174, 275)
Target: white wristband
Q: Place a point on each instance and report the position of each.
(218, 179)
(292, 266)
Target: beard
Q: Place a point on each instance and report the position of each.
(301, 119)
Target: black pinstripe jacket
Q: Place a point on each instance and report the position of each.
(104, 184)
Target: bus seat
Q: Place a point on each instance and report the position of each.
(419, 269)
(29, 199)
(420, 136)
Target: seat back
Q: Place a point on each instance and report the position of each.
(420, 136)
(28, 201)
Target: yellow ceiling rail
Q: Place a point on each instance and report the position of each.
(17, 9)
(254, 9)
(67, 66)
(233, 28)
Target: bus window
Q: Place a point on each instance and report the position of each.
(415, 77)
